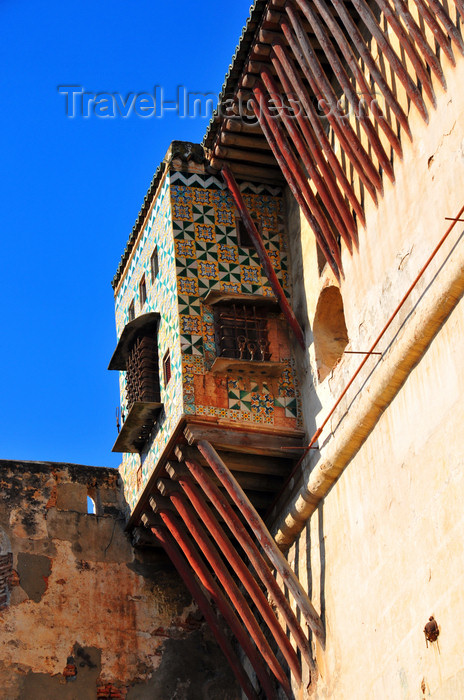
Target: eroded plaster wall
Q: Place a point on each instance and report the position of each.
(82, 614)
(382, 549)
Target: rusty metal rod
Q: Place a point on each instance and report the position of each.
(411, 88)
(444, 18)
(185, 572)
(263, 254)
(359, 76)
(407, 46)
(180, 474)
(360, 352)
(343, 220)
(239, 531)
(287, 72)
(375, 343)
(181, 535)
(263, 536)
(372, 66)
(292, 162)
(211, 554)
(347, 87)
(323, 91)
(295, 189)
(417, 34)
(315, 149)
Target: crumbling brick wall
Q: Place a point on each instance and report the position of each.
(82, 614)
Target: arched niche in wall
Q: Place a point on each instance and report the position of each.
(329, 331)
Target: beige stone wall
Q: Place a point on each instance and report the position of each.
(82, 614)
(383, 548)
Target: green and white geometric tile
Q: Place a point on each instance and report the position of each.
(240, 400)
(190, 306)
(191, 344)
(186, 268)
(289, 403)
(203, 215)
(206, 251)
(230, 273)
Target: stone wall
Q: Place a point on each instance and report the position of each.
(374, 519)
(82, 614)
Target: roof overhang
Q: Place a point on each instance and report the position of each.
(146, 323)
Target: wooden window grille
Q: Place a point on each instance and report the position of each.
(242, 332)
(142, 372)
(131, 311)
(154, 265)
(142, 291)
(167, 368)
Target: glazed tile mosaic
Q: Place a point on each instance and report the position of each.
(193, 225)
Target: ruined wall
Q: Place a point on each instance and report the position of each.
(384, 549)
(83, 615)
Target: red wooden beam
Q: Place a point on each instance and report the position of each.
(342, 219)
(323, 91)
(374, 70)
(444, 17)
(263, 536)
(315, 149)
(286, 72)
(411, 88)
(263, 255)
(211, 554)
(182, 537)
(347, 87)
(287, 154)
(417, 34)
(294, 186)
(239, 531)
(406, 44)
(180, 474)
(185, 572)
(364, 88)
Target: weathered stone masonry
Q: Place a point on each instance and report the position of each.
(82, 614)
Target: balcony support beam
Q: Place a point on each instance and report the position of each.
(180, 474)
(265, 539)
(257, 560)
(172, 550)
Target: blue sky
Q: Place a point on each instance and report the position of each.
(71, 191)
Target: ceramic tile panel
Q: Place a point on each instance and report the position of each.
(207, 251)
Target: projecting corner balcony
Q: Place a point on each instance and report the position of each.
(146, 324)
(137, 427)
(137, 355)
